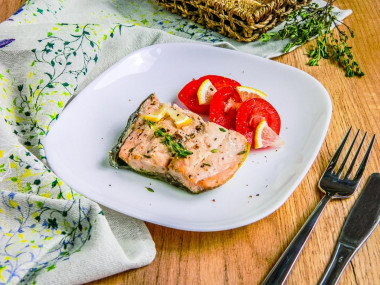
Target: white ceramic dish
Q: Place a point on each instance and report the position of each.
(78, 143)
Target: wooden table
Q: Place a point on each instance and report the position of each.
(245, 255)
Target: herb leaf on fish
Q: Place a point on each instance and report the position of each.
(173, 145)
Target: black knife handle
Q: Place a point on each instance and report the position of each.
(360, 223)
(341, 257)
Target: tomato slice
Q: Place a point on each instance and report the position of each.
(223, 107)
(188, 94)
(251, 113)
(220, 81)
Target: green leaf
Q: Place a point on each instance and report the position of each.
(51, 267)
(52, 223)
(48, 74)
(149, 189)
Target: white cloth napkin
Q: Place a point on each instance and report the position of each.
(49, 51)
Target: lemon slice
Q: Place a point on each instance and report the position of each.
(205, 92)
(266, 137)
(157, 115)
(179, 118)
(246, 93)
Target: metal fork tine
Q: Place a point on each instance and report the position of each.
(339, 172)
(347, 176)
(362, 165)
(336, 155)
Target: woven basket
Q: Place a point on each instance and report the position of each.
(242, 20)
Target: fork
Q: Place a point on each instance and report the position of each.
(334, 186)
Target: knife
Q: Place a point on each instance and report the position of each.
(360, 223)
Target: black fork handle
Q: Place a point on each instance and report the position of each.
(284, 265)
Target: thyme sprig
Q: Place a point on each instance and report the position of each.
(171, 143)
(314, 21)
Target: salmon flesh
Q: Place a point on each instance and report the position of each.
(213, 154)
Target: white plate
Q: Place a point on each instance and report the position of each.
(77, 145)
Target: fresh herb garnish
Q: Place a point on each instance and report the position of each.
(171, 143)
(205, 164)
(149, 123)
(149, 189)
(314, 21)
(214, 150)
(242, 152)
(222, 130)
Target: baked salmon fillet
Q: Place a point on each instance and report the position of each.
(197, 156)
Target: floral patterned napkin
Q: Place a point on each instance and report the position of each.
(49, 51)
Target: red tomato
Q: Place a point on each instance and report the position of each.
(219, 81)
(251, 113)
(223, 107)
(188, 94)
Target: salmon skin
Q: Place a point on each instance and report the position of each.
(215, 153)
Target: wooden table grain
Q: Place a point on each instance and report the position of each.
(245, 255)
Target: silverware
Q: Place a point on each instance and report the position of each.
(360, 223)
(333, 186)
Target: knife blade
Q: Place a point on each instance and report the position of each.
(360, 223)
